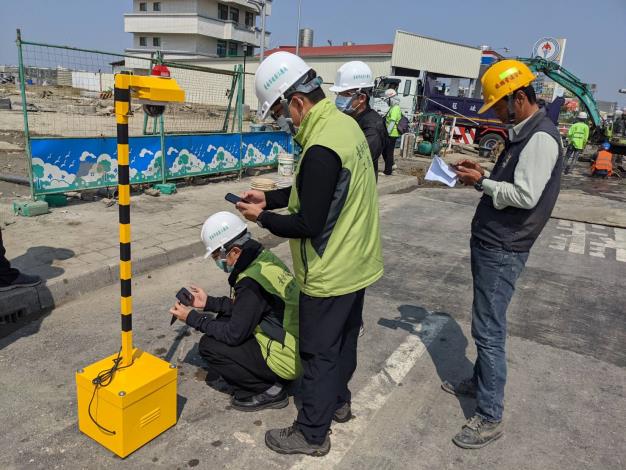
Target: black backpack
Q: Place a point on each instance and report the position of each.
(402, 125)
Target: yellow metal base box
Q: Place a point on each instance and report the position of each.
(138, 404)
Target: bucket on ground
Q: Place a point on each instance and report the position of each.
(285, 164)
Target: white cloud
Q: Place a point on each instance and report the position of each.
(97, 170)
(84, 156)
(153, 167)
(145, 152)
(186, 162)
(171, 150)
(53, 176)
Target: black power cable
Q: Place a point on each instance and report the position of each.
(103, 379)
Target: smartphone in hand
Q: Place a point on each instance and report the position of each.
(184, 297)
(230, 197)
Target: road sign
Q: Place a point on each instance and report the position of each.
(548, 49)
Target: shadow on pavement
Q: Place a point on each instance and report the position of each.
(447, 351)
(39, 260)
(22, 310)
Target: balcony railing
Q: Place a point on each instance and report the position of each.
(185, 23)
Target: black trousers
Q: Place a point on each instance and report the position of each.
(388, 154)
(242, 366)
(329, 331)
(7, 273)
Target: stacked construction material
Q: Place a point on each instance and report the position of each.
(263, 184)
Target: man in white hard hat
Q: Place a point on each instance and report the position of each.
(333, 227)
(578, 135)
(251, 347)
(353, 84)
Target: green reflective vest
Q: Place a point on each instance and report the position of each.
(277, 337)
(394, 114)
(347, 255)
(578, 135)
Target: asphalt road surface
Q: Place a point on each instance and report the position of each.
(565, 404)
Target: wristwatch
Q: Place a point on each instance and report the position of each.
(258, 220)
(479, 184)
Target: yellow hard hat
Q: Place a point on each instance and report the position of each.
(502, 79)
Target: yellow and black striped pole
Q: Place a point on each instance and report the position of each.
(122, 109)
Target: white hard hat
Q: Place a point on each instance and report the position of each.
(390, 93)
(353, 76)
(277, 74)
(220, 229)
(582, 115)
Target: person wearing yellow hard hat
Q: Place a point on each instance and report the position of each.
(517, 200)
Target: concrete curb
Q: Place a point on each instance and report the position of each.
(28, 302)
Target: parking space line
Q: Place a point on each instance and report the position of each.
(374, 395)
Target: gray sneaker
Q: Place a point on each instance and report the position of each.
(466, 388)
(291, 441)
(478, 432)
(343, 414)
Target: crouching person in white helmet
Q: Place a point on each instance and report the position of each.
(333, 231)
(251, 346)
(353, 84)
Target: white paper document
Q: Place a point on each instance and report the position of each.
(440, 171)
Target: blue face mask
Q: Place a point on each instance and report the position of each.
(344, 103)
(221, 264)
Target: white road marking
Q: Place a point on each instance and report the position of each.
(589, 239)
(374, 395)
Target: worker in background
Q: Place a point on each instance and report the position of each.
(333, 231)
(11, 278)
(517, 200)
(392, 118)
(251, 346)
(618, 124)
(578, 135)
(602, 162)
(353, 84)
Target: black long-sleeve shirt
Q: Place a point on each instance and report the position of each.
(316, 183)
(373, 126)
(236, 319)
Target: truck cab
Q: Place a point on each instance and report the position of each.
(407, 89)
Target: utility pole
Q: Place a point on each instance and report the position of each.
(298, 32)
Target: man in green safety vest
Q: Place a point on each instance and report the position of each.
(392, 118)
(251, 346)
(333, 231)
(578, 135)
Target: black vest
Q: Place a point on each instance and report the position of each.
(512, 228)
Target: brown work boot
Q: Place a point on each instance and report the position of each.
(343, 414)
(465, 388)
(291, 441)
(478, 432)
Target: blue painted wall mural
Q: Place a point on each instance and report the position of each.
(61, 165)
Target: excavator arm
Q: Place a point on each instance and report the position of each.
(567, 80)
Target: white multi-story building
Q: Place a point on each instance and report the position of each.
(195, 29)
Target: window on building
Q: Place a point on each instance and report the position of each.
(234, 15)
(143, 41)
(407, 87)
(222, 12)
(221, 48)
(143, 6)
(249, 19)
(233, 49)
(156, 6)
(156, 42)
(250, 51)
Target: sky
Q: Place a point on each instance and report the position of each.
(595, 31)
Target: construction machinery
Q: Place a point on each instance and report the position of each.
(421, 95)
